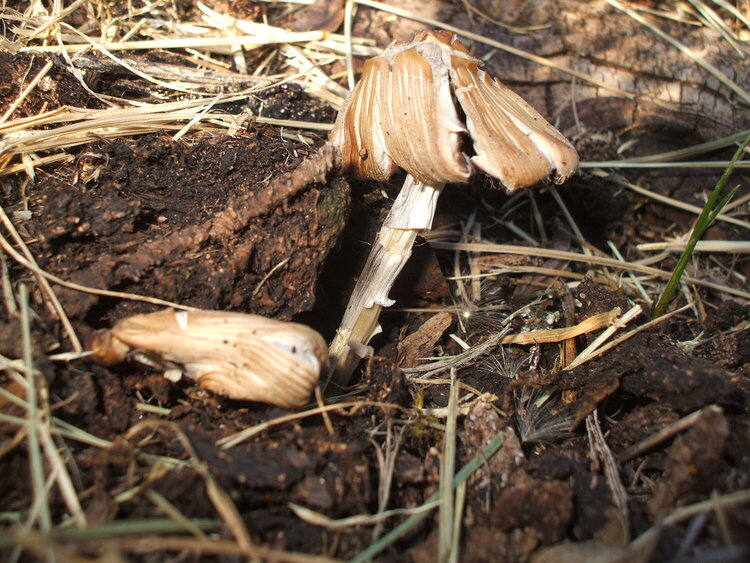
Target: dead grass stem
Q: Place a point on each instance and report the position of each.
(578, 257)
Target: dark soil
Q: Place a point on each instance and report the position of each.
(257, 223)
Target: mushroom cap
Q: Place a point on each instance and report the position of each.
(242, 356)
(404, 113)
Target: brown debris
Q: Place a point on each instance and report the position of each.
(325, 15)
(421, 343)
(481, 425)
(692, 463)
(487, 543)
(662, 372)
(276, 469)
(528, 502)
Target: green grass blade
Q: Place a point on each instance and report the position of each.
(481, 458)
(116, 529)
(710, 211)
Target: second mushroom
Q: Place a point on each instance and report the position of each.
(428, 108)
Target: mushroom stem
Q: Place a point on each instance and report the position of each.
(412, 213)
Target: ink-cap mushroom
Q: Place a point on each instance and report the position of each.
(246, 357)
(428, 108)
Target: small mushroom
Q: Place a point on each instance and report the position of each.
(428, 108)
(246, 357)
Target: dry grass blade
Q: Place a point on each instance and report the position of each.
(24, 94)
(36, 467)
(632, 277)
(458, 512)
(246, 42)
(459, 360)
(664, 434)
(386, 469)
(113, 530)
(492, 43)
(174, 513)
(348, 20)
(34, 268)
(60, 427)
(317, 519)
(680, 154)
(668, 200)
(713, 20)
(665, 164)
(466, 471)
(219, 498)
(686, 512)
(576, 257)
(446, 547)
(144, 536)
(239, 437)
(595, 353)
(35, 162)
(64, 481)
(53, 302)
(611, 472)
(695, 57)
(591, 349)
(732, 9)
(729, 246)
(83, 125)
(210, 546)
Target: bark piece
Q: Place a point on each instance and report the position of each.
(225, 223)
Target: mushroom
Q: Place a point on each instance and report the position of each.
(428, 108)
(241, 356)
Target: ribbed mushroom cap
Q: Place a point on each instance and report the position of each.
(241, 356)
(403, 113)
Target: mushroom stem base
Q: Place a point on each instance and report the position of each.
(412, 213)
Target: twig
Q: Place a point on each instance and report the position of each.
(616, 342)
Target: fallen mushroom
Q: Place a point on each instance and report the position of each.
(246, 357)
(404, 113)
